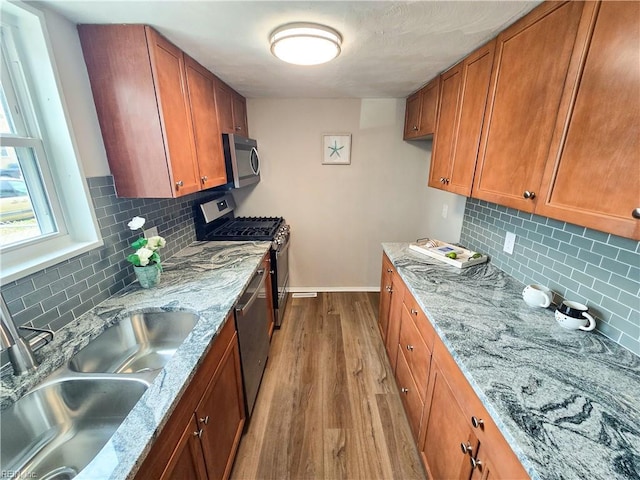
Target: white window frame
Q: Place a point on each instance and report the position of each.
(46, 120)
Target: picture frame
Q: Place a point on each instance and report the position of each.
(336, 149)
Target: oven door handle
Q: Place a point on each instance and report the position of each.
(242, 309)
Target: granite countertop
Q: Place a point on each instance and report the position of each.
(568, 402)
(206, 278)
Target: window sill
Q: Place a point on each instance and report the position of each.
(15, 267)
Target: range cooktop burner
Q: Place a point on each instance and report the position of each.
(245, 228)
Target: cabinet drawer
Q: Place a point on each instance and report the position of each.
(416, 352)
(422, 322)
(413, 404)
(484, 427)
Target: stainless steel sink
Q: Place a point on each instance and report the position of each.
(141, 342)
(54, 431)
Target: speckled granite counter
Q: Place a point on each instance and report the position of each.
(206, 278)
(567, 401)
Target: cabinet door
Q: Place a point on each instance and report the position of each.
(413, 404)
(476, 72)
(445, 429)
(445, 137)
(395, 315)
(416, 352)
(593, 176)
(224, 107)
(240, 115)
(528, 75)
(208, 142)
(167, 64)
(429, 107)
(187, 460)
(412, 116)
(221, 415)
(385, 296)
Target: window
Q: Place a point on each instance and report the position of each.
(45, 211)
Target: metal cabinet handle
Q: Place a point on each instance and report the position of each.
(477, 422)
(466, 448)
(198, 433)
(529, 195)
(238, 128)
(389, 270)
(410, 348)
(414, 311)
(404, 390)
(636, 213)
(179, 183)
(415, 128)
(205, 420)
(204, 179)
(475, 463)
(388, 288)
(441, 179)
(447, 180)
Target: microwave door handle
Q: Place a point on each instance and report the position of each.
(252, 155)
(241, 310)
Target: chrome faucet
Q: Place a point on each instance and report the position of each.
(19, 349)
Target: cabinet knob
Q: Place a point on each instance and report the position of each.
(529, 195)
(415, 128)
(477, 422)
(204, 179)
(475, 463)
(447, 180)
(388, 288)
(205, 420)
(404, 390)
(198, 433)
(441, 179)
(389, 270)
(238, 128)
(414, 311)
(466, 448)
(410, 348)
(636, 213)
(179, 183)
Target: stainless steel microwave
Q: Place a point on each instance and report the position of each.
(241, 160)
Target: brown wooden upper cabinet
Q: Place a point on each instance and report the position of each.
(592, 175)
(421, 111)
(463, 95)
(232, 110)
(530, 67)
(156, 111)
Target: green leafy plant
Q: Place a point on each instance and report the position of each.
(146, 248)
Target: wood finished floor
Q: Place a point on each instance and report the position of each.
(328, 407)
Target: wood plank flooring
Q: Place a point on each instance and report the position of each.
(328, 407)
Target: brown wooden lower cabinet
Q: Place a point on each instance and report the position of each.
(202, 435)
(456, 437)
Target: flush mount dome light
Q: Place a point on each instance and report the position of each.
(305, 43)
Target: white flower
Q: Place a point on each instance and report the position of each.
(155, 243)
(136, 223)
(144, 254)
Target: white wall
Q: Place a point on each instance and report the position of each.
(339, 214)
(76, 93)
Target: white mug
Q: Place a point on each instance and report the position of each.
(574, 316)
(537, 296)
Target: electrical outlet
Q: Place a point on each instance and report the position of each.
(150, 232)
(445, 210)
(509, 242)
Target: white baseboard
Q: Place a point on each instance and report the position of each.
(333, 289)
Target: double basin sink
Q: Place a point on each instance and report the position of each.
(57, 428)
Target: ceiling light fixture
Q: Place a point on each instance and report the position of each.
(305, 43)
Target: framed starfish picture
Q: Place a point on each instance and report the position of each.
(336, 149)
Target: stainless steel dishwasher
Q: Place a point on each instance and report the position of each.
(253, 335)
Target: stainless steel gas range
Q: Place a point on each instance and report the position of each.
(215, 221)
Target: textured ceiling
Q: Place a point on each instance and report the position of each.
(389, 49)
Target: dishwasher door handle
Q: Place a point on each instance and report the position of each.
(242, 309)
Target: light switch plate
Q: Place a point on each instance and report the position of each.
(150, 232)
(509, 242)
